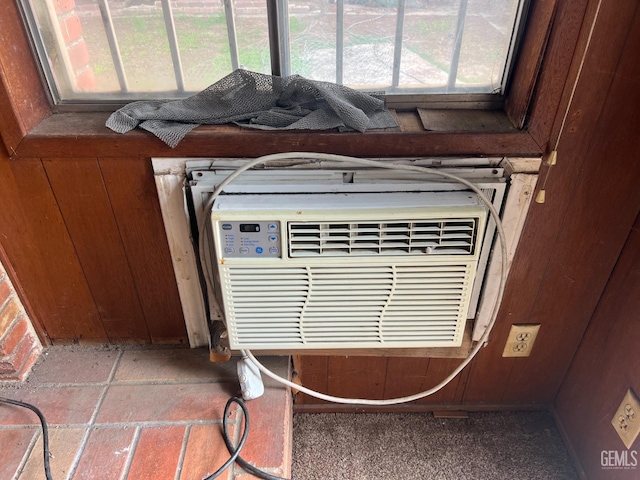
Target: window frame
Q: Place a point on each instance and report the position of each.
(31, 128)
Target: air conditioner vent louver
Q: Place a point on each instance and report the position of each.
(320, 307)
(435, 236)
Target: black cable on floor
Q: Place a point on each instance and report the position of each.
(45, 431)
(235, 451)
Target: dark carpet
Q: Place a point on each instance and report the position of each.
(487, 446)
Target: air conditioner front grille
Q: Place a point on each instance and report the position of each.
(333, 239)
(353, 306)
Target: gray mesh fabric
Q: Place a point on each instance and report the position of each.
(261, 101)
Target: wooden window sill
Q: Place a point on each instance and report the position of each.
(85, 135)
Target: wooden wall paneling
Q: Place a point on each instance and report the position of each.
(602, 211)
(544, 221)
(605, 366)
(357, 377)
(85, 207)
(405, 376)
(439, 369)
(408, 376)
(31, 312)
(35, 238)
(608, 38)
(14, 237)
(18, 239)
(133, 197)
(379, 377)
(490, 372)
(23, 102)
(463, 379)
(313, 371)
(78, 318)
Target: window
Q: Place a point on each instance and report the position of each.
(114, 51)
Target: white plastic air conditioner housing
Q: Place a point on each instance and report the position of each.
(346, 270)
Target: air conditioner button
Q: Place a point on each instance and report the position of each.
(244, 250)
(273, 238)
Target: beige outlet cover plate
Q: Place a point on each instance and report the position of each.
(626, 421)
(520, 341)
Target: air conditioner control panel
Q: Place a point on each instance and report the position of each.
(251, 239)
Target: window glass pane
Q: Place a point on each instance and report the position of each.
(367, 33)
(440, 46)
(108, 49)
(428, 45)
(144, 48)
(98, 50)
(312, 33)
(485, 43)
(204, 47)
(368, 43)
(100, 64)
(253, 35)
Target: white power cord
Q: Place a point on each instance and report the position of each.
(377, 164)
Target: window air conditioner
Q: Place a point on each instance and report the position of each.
(346, 270)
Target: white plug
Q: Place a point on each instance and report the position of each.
(250, 379)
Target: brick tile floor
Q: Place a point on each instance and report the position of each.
(138, 413)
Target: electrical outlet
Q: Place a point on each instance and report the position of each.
(626, 421)
(520, 341)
